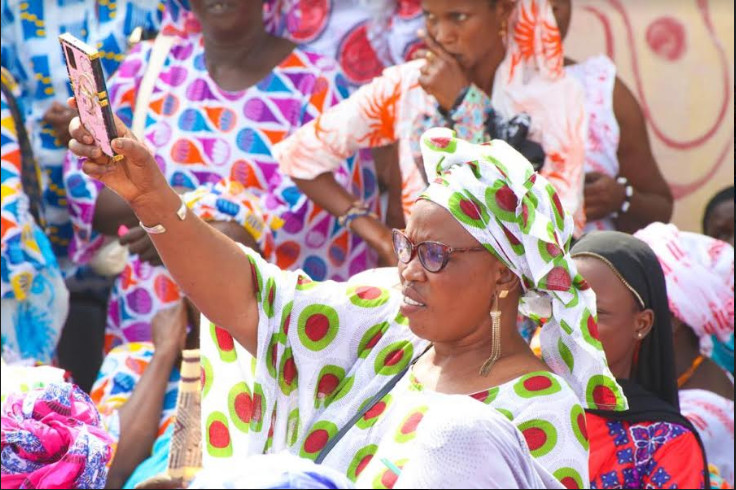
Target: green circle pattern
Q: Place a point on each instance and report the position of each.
(238, 389)
(287, 389)
(334, 324)
(370, 334)
(521, 390)
(285, 321)
(575, 414)
(269, 298)
(362, 423)
(325, 399)
(292, 427)
(585, 329)
(550, 434)
(600, 380)
(380, 362)
(567, 473)
(355, 299)
(209, 374)
(456, 208)
(362, 453)
(325, 425)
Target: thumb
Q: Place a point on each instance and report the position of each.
(134, 152)
(122, 130)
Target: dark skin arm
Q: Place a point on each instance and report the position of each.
(386, 159)
(111, 211)
(335, 199)
(219, 282)
(652, 199)
(141, 415)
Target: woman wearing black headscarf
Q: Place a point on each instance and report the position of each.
(650, 445)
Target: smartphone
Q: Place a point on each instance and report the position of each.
(88, 84)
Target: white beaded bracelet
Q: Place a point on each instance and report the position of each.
(181, 213)
(629, 189)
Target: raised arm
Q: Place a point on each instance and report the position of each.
(209, 267)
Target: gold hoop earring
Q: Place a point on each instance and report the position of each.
(495, 335)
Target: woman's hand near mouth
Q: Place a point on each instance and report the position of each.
(441, 76)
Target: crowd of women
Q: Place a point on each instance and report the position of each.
(409, 243)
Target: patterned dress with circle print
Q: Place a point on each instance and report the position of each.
(328, 348)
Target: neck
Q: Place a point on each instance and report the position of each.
(240, 52)
(470, 352)
(483, 75)
(623, 368)
(687, 348)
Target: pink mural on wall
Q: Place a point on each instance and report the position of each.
(667, 38)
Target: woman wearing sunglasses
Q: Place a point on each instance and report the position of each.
(429, 386)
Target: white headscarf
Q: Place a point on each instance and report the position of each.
(516, 214)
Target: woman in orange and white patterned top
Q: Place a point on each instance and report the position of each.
(492, 69)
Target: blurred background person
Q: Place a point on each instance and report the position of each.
(624, 188)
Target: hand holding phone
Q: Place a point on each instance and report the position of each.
(88, 84)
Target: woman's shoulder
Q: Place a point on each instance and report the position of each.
(535, 395)
(373, 303)
(598, 65)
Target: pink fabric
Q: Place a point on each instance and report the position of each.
(712, 415)
(53, 438)
(597, 75)
(699, 274)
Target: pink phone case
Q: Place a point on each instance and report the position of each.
(88, 84)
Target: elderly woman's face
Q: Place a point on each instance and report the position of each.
(448, 305)
(225, 20)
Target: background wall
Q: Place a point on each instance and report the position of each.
(677, 57)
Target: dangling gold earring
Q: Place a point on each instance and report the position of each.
(503, 32)
(495, 335)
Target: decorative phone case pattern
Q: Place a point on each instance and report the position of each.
(85, 74)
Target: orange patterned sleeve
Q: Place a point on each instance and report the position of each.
(366, 119)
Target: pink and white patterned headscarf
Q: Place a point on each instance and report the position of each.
(699, 273)
(52, 437)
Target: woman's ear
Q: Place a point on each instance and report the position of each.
(643, 323)
(503, 10)
(507, 280)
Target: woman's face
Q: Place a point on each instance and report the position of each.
(620, 320)
(456, 301)
(720, 222)
(467, 29)
(227, 20)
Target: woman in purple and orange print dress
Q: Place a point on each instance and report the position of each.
(227, 92)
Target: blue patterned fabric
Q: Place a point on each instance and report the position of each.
(30, 51)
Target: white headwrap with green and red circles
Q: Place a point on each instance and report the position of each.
(492, 190)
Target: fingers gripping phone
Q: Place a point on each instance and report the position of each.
(88, 84)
